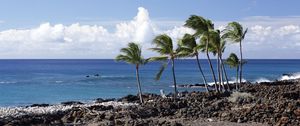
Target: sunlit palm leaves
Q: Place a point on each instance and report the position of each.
(203, 27)
(133, 55)
(233, 62)
(235, 33)
(188, 47)
(164, 46)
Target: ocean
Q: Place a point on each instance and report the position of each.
(25, 82)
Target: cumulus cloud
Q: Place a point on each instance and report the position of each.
(81, 41)
(259, 33)
(267, 37)
(288, 29)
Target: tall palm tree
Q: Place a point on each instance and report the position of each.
(164, 46)
(216, 47)
(202, 27)
(219, 49)
(235, 32)
(133, 55)
(233, 62)
(189, 47)
(223, 43)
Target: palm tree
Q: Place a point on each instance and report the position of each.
(223, 46)
(164, 46)
(202, 27)
(233, 62)
(216, 47)
(133, 55)
(234, 32)
(189, 47)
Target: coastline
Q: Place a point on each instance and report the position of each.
(268, 103)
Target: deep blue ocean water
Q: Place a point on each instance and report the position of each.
(24, 82)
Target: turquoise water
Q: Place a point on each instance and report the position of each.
(24, 82)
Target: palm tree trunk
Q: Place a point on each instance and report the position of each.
(237, 78)
(241, 62)
(225, 73)
(200, 69)
(174, 78)
(211, 67)
(219, 72)
(139, 83)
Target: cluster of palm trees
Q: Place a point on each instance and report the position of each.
(206, 39)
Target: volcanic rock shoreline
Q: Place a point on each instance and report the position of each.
(272, 103)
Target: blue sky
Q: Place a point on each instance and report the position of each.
(79, 28)
(27, 13)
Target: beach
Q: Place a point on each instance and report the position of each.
(268, 103)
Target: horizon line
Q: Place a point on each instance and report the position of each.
(113, 59)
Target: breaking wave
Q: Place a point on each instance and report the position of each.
(230, 81)
(260, 80)
(290, 76)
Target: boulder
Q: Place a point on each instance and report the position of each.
(39, 105)
(100, 100)
(71, 103)
(129, 98)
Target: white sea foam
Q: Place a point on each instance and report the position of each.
(260, 80)
(19, 111)
(230, 81)
(291, 77)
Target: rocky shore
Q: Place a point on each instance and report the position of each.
(272, 103)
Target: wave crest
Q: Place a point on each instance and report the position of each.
(260, 80)
(290, 76)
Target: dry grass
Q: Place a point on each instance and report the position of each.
(238, 96)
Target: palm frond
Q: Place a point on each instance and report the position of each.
(244, 34)
(189, 41)
(163, 44)
(232, 60)
(157, 58)
(131, 54)
(223, 45)
(234, 32)
(201, 46)
(159, 50)
(122, 58)
(183, 54)
(161, 70)
(198, 23)
(127, 51)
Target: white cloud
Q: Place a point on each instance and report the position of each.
(259, 33)
(288, 29)
(268, 37)
(80, 41)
